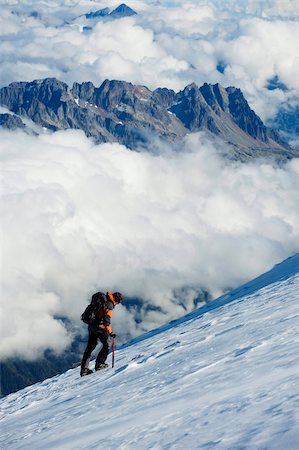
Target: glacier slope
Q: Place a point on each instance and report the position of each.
(223, 377)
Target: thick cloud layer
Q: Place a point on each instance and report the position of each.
(250, 44)
(77, 217)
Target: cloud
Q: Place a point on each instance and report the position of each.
(164, 227)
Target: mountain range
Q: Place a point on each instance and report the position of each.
(133, 115)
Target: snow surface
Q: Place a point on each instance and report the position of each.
(224, 377)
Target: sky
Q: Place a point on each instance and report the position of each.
(224, 377)
(163, 225)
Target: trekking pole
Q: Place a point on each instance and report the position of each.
(113, 351)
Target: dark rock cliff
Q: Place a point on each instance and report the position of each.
(118, 111)
(11, 121)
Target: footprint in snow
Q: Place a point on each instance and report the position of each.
(241, 351)
(174, 344)
(140, 359)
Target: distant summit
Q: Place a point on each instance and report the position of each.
(121, 11)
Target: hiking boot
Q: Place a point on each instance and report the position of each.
(85, 371)
(101, 366)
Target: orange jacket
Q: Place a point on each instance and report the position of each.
(105, 314)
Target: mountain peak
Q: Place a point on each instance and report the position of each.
(215, 95)
(123, 11)
(190, 87)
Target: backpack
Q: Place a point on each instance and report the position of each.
(89, 315)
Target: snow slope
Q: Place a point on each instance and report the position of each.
(223, 377)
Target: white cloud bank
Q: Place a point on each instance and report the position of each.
(77, 217)
(167, 44)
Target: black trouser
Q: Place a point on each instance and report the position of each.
(91, 345)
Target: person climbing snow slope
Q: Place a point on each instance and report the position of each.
(99, 314)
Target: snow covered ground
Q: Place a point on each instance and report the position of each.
(224, 377)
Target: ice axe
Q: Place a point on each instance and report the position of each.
(113, 350)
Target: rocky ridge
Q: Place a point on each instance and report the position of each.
(118, 111)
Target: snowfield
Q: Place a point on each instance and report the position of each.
(224, 377)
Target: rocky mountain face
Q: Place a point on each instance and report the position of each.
(118, 111)
(11, 121)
